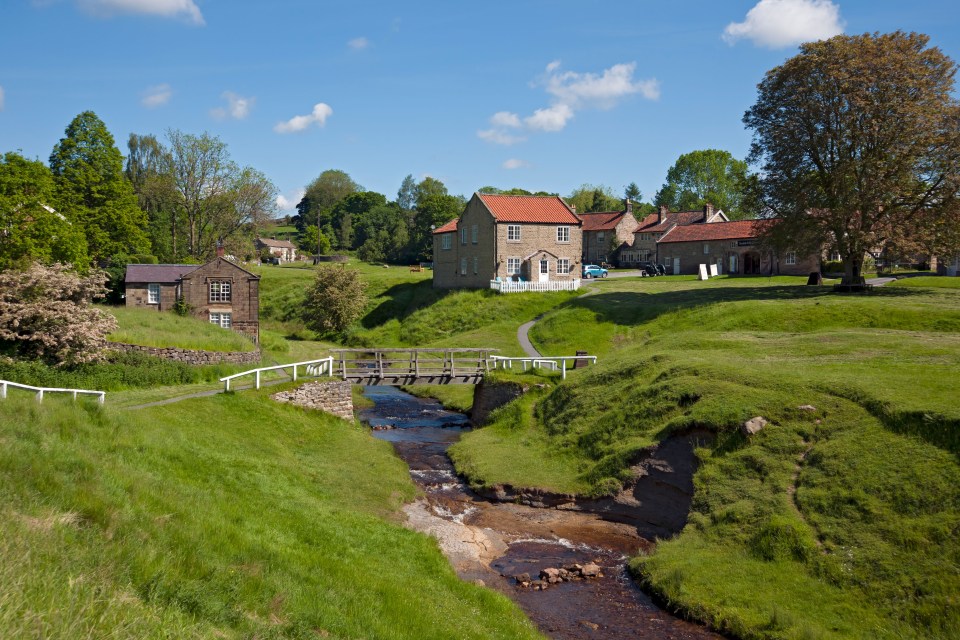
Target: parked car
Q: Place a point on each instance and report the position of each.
(593, 271)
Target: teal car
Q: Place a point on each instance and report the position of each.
(593, 271)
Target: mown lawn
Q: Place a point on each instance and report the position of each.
(840, 522)
(224, 517)
(152, 329)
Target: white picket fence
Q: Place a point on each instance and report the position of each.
(504, 286)
(40, 391)
(312, 368)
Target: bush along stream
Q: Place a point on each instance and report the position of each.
(562, 561)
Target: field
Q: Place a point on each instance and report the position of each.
(149, 328)
(847, 515)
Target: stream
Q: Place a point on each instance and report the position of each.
(492, 542)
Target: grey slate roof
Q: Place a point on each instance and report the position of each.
(159, 273)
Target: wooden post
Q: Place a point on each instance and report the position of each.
(3, 391)
(101, 399)
(452, 367)
(380, 363)
(343, 365)
(257, 384)
(294, 373)
(416, 363)
(563, 376)
(74, 395)
(40, 395)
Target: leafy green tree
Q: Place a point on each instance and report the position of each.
(344, 213)
(858, 145)
(589, 198)
(329, 188)
(30, 228)
(149, 168)
(335, 301)
(432, 211)
(706, 176)
(88, 171)
(407, 194)
(429, 187)
(632, 191)
(381, 234)
(311, 240)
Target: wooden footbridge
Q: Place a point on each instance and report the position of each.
(398, 367)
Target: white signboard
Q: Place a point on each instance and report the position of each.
(713, 271)
(703, 273)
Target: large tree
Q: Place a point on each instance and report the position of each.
(705, 176)
(91, 186)
(858, 143)
(329, 188)
(30, 228)
(149, 168)
(588, 198)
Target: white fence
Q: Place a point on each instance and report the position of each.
(504, 286)
(312, 368)
(541, 362)
(39, 391)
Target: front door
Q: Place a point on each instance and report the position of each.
(544, 270)
(676, 266)
(733, 263)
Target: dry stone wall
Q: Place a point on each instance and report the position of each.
(333, 397)
(489, 396)
(191, 356)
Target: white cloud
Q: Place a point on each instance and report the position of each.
(2, 98)
(184, 9)
(505, 119)
(571, 92)
(603, 91)
(497, 136)
(156, 96)
(783, 23)
(321, 111)
(549, 119)
(358, 44)
(514, 163)
(288, 204)
(238, 107)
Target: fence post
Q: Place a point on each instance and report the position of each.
(101, 399)
(3, 390)
(563, 376)
(294, 373)
(258, 379)
(40, 395)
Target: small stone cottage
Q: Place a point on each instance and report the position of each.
(219, 291)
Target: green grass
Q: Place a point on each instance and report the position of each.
(226, 517)
(151, 329)
(456, 397)
(928, 281)
(840, 523)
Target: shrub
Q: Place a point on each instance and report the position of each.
(335, 301)
(45, 314)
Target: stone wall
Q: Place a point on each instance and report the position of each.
(489, 396)
(191, 356)
(333, 397)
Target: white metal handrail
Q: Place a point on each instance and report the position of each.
(314, 368)
(101, 395)
(540, 362)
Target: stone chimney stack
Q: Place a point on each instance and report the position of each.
(628, 204)
(219, 248)
(573, 208)
(707, 211)
(662, 213)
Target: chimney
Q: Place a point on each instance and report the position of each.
(707, 212)
(573, 208)
(219, 248)
(662, 213)
(629, 205)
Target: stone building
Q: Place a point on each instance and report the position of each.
(285, 250)
(219, 292)
(732, 246)
(607, 234)
(517, 238)
(654, 226)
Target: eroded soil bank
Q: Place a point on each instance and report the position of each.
(508, 534)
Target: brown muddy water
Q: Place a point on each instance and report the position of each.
(495, 538)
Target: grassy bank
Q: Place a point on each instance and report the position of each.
(835, 523)
(152, 329)
(225, 517)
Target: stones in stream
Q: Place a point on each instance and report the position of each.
(554, 575)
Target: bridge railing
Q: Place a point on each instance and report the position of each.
(540, 362)
(39, 391)
(312, 368)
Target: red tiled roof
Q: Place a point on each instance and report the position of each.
(682, 218)
(714, 231)
(448, 228)
(159, 273)
(601, 220)
(533, 209)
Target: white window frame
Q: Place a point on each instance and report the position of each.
(463, 266)
(153, 293)
(563, 266)
(790, 258)
(474, 234)
(223, 319)
(513, 266)
(513, 233)
(219, 291)
(563, 235)
(446, 242)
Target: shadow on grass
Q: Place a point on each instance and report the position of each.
(630, 308)
(403, 300)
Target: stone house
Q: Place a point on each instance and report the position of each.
(654, 226)
(607, 234)
(219, 292)
(285, 250)
(732, 246)
(501, 237)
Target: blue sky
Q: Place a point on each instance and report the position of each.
(538, 95)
